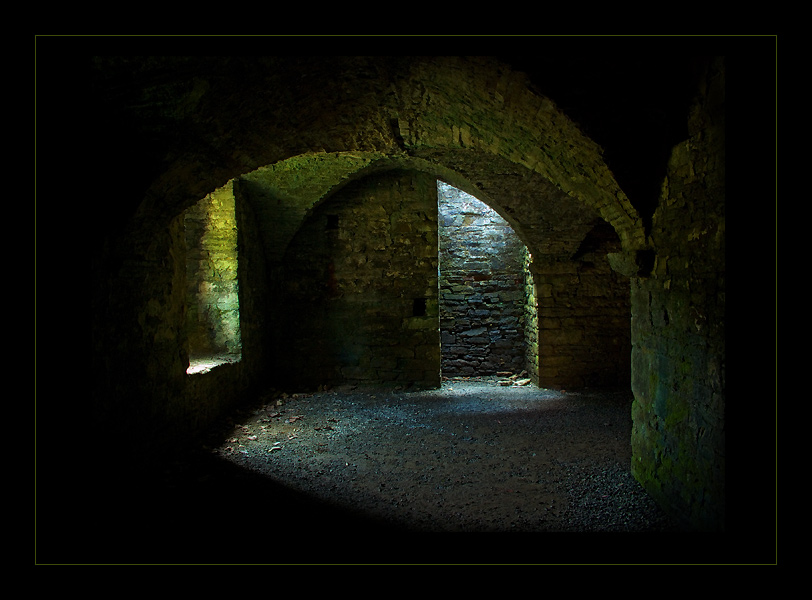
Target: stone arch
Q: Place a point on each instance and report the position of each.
(192, 126)
(316, 123)
(467, 107)
(471, 122)
(449, 112)
(292, 189)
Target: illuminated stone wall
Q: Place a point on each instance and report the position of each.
(482, 296)
(531, 326)
(213, 309)
(210, 392)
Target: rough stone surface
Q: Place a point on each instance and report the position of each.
(482, 288)
(358, 293)
(679, 330)
(583, 315)
(184, 128)
(213, 310)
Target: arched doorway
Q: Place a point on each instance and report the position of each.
(487, 306)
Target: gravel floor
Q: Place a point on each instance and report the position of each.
(474, 473)
(475, 456)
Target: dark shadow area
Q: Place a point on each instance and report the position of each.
(645, 100)
(236, 517)
(196, 508)
(211, 512)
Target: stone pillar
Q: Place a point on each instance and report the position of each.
(678, 364)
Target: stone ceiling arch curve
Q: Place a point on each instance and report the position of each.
(303, 183)
(469, 107)
(469, 116)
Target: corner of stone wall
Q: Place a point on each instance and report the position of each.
(678, 351)
(583, 334)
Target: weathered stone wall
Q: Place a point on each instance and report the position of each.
(678, 439)
(234, 255)
(482, 295)
(583, 316)
(531, 323)
(481, 121)
(254, 290)
(213, 311)
(142, 352)
(358, 290)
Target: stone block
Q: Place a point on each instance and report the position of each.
(477, 332)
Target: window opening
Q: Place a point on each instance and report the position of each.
(485, 295)
(213, 311)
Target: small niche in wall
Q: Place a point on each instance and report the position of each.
(419, 307)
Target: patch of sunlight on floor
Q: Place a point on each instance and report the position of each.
(203, 364)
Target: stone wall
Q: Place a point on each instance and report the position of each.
(531, 324)
(233, 253)
(583, 315)
(678, 439)
(357, 296)
(142, 353)
(482, 288)
(213, 309)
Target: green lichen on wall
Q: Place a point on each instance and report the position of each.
(213, 311)
(678, 410)
(306, 177)
(678, 357)
(668, 462)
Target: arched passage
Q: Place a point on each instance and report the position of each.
(470, 122)
(488, 322)
(473, 117)
(479, 126)
(289, 195)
